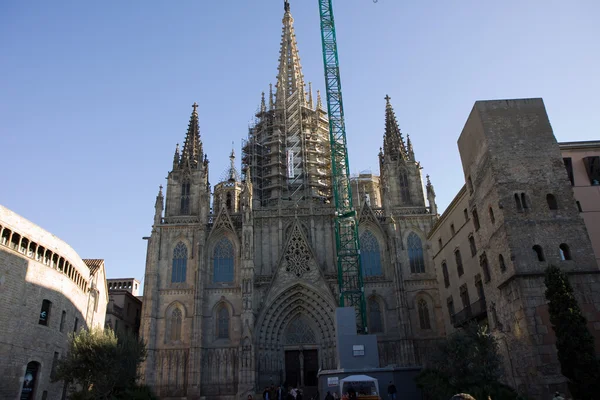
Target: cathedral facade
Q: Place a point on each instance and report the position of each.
(242, 294)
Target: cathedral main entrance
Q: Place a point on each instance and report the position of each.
(301, 367)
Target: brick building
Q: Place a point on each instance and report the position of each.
(516, 215)
(124, 308)
(46, 292)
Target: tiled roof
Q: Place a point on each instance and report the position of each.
(93, 264)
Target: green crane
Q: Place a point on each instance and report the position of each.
(350, 278)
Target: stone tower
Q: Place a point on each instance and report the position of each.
(244, 296)
(524, 218)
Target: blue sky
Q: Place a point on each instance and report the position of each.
(95, 95)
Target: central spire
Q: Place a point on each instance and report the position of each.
(289, 77)
(393, 142)
(191, 155)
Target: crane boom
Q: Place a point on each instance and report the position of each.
(350, 278)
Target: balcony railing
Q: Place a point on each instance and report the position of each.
(477, 310)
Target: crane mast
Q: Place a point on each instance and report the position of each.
(350, 277)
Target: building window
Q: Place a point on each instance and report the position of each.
(472, 246)
(579, 206)
(223, 322)
(375, 320)
(518, 202)
(185, 198)
(440, 244)
(424, 320)
(452, 230)
(62, 320)
(404, 192)
(76, 324)
(565, 252)
(524, 201)
(45, 313)
(223, 261)
(459, 264)
(552, 203)
(475, 219)
(445, 273)
(483, 261)
(466, 214)
(501, 263)
(537, 249)
(176, 322)
(450, 304)
(464, 296)
(470, 184)
(370, 254)
(492, 217)
(358, 350)
(179, 272)
(29, 381)
(54, 365)
(479, 287)
(592, 167)
(569, 167)
(415, 254)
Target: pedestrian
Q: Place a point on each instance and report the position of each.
(266, 394)
(392, 391)
(250, 397)
(299, 395)
(328, 396)
(557, 396)
(336, 396)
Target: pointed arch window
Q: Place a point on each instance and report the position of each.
(370, 254)
(176, 322)
(404, 192)
(223, 322)
(185, 198)
(415, 253)
(565, 252)
(180, 253)
(424, 320)
(375, 320)
(223, 261)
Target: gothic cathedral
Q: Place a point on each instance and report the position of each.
(235, 294)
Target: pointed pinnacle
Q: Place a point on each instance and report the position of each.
(319, 102)
(263, 106)
(310, 97)
(271, 103)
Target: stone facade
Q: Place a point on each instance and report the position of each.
(124, 309)
(515, 215)
(244, 295)
(46, 292)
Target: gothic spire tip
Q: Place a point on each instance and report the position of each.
(286, 6)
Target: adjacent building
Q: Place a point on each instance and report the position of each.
(46, 292)
(519, 211)
(124, 310)
(582, 161)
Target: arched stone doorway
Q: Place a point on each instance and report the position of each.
(296, 338)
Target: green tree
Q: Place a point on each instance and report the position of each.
(574, 342)
(469, 362)
(102, 365)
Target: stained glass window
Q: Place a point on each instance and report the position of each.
(176, 320)
(223, 261)
(415, 253)
(223, 323)
(178, 274)
(424, 315)
(375, 322)
(370, 254)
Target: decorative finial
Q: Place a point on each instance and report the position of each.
(319, 102)
(286, 6)
(387, 99)
(428, 181)
(310, 97)
(160, 188)
(195, 106)
(263, 106)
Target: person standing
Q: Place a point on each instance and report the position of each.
(392, 391)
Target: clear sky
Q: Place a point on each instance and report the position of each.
(94, 95)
